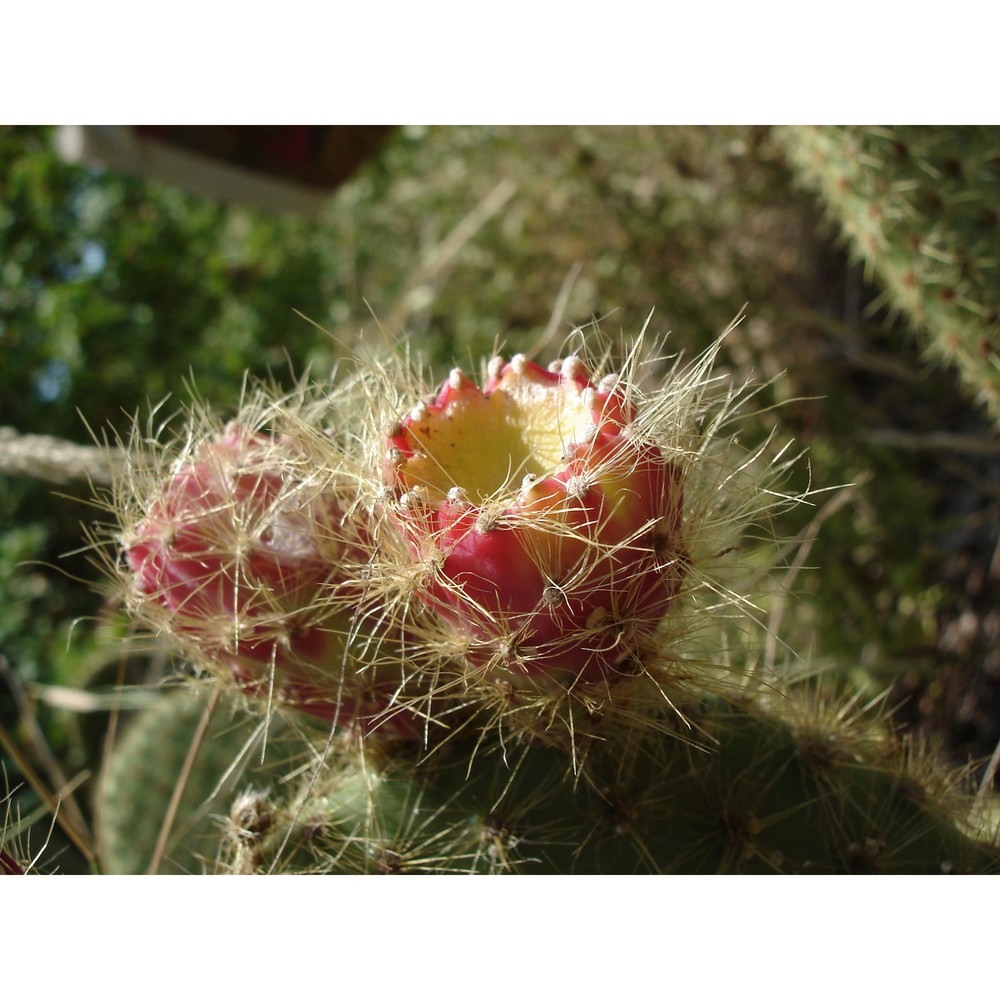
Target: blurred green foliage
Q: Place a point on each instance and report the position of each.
(113, 293)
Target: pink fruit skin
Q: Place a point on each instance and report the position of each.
(8, 866)
(237, 567)
(568, 578)
(211, 550)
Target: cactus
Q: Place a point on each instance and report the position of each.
(551, 536)
(244, 554)
(148, 764)
(919, 206)
(419, 541)
(786, 790)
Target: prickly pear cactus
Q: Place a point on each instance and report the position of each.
(508, 613)
(921, 207)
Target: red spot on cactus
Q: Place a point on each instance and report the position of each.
(8, 866)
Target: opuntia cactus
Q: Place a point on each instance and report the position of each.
(523, 575)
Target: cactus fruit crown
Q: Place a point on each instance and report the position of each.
(524, 424)
(551, 532)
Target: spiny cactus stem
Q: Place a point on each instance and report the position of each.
(182, 780)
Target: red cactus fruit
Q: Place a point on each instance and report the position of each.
(244, 554)
(551, 530)
(8, 866)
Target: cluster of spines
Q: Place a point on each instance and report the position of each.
(474, 643)
(358, 620)
(530, 538)
(244, 548)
